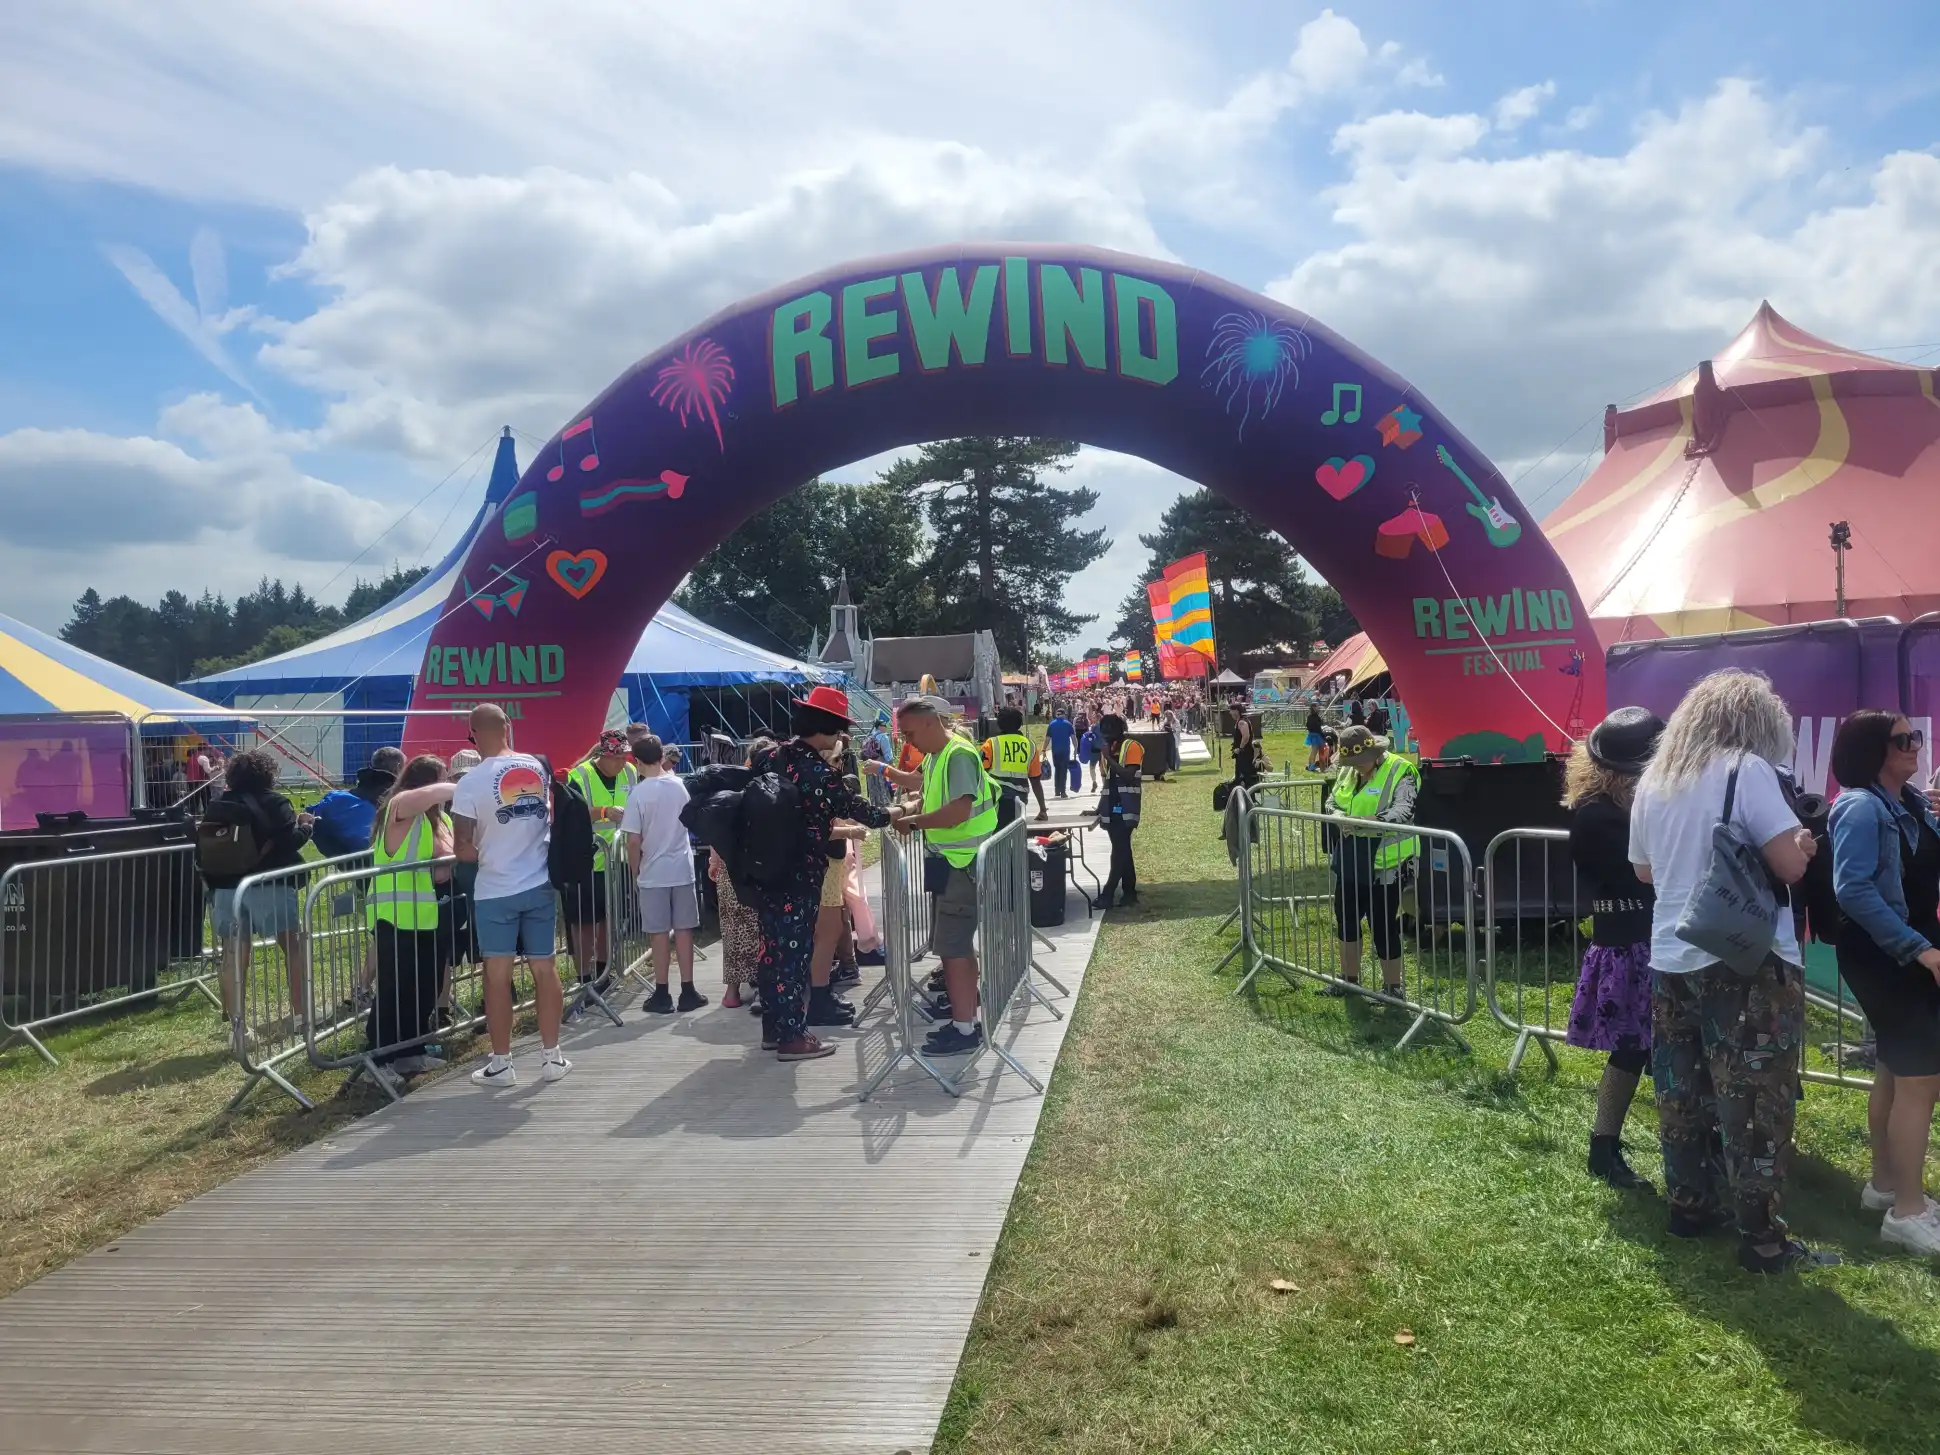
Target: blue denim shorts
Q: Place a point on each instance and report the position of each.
(271, 909)
(518, 924)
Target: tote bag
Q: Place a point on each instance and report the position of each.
(1732, 913)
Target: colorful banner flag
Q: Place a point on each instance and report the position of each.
(1134, 667)
(1190, 599)
(1175, 661)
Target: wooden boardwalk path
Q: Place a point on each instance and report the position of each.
(684, 1246)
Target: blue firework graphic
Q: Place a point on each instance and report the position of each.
(1251, 360)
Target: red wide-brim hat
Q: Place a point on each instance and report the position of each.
(832, 700)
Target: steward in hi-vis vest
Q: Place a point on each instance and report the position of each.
(1015, 762)
(1122, 761)
(604, 781)
(1373, 791)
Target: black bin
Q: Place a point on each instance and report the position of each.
(1049, 868)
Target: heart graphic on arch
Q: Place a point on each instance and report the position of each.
(1341, 478)
(578, 572)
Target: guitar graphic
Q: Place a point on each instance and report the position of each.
(1502, 528)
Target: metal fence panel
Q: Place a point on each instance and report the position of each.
(79, 935)
(1291, 901)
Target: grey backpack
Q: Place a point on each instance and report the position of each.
(1732, 913)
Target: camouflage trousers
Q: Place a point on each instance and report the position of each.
(1725, 1061)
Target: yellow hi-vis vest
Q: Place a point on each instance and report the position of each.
(1010, 759)
(1371, 799)
(598, 796)
(958, 845)
(405, 898)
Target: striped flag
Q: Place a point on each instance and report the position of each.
(1189, 598)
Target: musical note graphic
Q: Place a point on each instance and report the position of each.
(1336, 415)
(1502, 528)
(589, 461)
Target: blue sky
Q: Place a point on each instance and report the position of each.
(413, 224)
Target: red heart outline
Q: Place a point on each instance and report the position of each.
(559, 560)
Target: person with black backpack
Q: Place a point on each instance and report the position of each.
(252, 829)
(786, 825)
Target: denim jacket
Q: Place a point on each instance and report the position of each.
(1868, 833)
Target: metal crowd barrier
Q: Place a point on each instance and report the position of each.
(905, 925)
(1004, 938)
(1287, 921)
(1281, 790)
(1536, 915)
(82, 934)
(267, 952)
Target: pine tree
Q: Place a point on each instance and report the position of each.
(1005, 544)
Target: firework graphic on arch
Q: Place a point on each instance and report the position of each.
(1251, 360)
(695, 383)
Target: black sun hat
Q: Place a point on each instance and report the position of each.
(1624, 741)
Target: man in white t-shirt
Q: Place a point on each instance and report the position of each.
(657, 846)
(1724, 1042)
(502, 820)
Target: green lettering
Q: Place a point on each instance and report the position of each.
(860, 328)
(1017, 305)
(501, 661)
(1074, 311)
(478, 665)
(1538, 612)
(1560, 603)
(1428, 617)
(799, 330)
(1516, 596)
(1490, 614)
(434, 665)
(949, 320)
(525, 665)
(552, 664)
(1453, 616)
(1136, 301)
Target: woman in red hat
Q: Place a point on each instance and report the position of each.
(788, 913)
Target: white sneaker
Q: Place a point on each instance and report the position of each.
(495, 1072)
(1873, 1200)
(556, 1067)
(1919, 1234)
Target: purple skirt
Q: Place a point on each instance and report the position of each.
(1611, 1011)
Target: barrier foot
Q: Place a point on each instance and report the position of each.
(1428, 1018)
(384, 1080)
(1521, 1049)
(1231, 915)
(31, 1039)
(1228, 958)
(1246, 980)
(270, 1074)
(1011, 1061)
(1030, 987)
(1056, 984)
(895, 1061)
(590, 998)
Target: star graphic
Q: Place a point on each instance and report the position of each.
(1401, 426)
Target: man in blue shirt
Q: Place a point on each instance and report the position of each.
(1058, 735)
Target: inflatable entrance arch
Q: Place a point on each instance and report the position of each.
(1480, 624)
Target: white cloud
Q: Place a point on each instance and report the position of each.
(1523, 293)
(1580, 118)
(1523, 105)
(1418, 72)
(454, 304)
(202, 328)
(71, 496)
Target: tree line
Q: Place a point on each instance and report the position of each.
(181, 637)
(971, 534)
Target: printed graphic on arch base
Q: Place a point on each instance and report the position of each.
(1485, 634)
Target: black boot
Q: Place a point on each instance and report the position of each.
(825, 1010)
(1607, 1163)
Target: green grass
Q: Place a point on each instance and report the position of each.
(1196, 1148)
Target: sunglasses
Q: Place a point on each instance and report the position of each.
(1908, 742)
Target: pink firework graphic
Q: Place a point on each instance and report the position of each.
(696, 383)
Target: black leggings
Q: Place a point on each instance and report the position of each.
(410, 969)
(1379, 904)
(1631, 1059)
